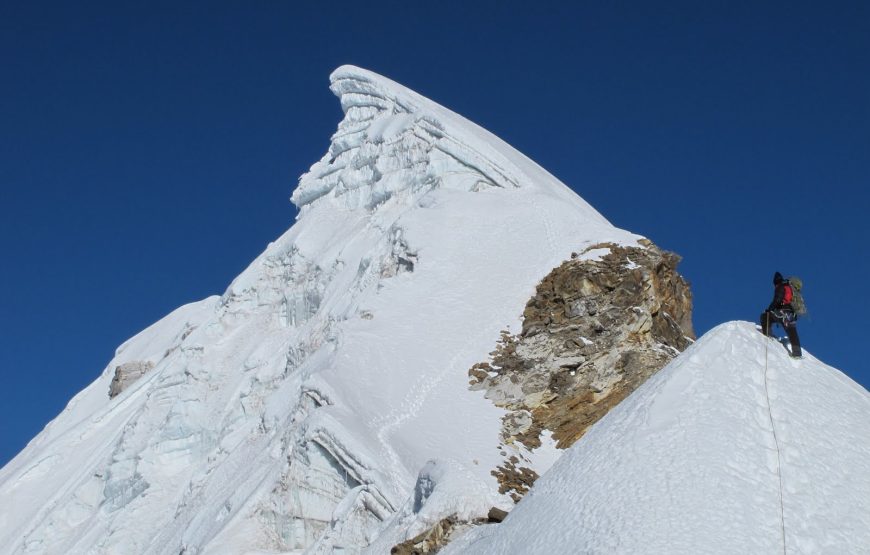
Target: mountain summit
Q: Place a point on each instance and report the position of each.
(362, 381)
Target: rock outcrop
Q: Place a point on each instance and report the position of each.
(433, 539)
(597, 327)
(126, 374)
(429, 541)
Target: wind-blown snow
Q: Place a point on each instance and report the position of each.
(689, 464)
(297, 410)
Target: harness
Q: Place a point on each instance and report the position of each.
(785, 315)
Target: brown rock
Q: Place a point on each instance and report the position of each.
(496, 515)
(429, 541)
(592, 333)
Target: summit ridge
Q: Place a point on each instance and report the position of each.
(714, 455)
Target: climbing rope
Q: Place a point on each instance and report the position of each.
(773, 430)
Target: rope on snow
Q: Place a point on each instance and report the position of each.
(775, 439)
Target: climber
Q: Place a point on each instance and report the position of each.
(781, 312)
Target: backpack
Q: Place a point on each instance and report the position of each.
(797, 300)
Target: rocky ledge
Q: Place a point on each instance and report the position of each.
(597, 327)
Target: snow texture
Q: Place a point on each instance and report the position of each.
(297, 410)
(709, 456)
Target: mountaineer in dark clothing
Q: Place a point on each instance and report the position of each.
(781, 312)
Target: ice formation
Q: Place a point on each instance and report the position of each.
(297, 410)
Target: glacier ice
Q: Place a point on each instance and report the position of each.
(298, 409)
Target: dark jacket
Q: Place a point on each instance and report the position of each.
(779, 284)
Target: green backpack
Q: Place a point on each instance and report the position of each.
(797, 301)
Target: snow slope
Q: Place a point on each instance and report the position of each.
(296, 410)
(708, 456)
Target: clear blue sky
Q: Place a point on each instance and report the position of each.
(148, 150)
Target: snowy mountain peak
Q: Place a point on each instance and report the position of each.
(341, 395)
(303, 408)
(396, 144)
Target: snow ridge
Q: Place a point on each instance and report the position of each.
(695, 469)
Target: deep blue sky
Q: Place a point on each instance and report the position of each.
(148, 150)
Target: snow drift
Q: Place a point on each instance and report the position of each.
(711, 455)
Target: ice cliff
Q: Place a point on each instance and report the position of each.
(322, 402)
